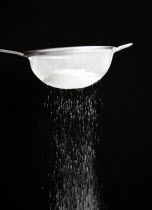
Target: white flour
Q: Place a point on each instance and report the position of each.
(71, 78)
(74, 136)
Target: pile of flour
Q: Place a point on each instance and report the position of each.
(71, 78)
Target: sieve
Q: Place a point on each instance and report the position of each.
(70, 67)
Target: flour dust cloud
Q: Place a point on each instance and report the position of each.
(74, 136)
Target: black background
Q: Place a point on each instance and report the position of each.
(127, 88)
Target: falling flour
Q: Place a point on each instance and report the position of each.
(72, 78)
(74, 124)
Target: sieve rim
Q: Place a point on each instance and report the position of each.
(66, 50)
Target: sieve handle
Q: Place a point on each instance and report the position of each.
(12, 52)
(116, 49)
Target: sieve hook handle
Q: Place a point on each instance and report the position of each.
(12, 52)
(116, 49)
